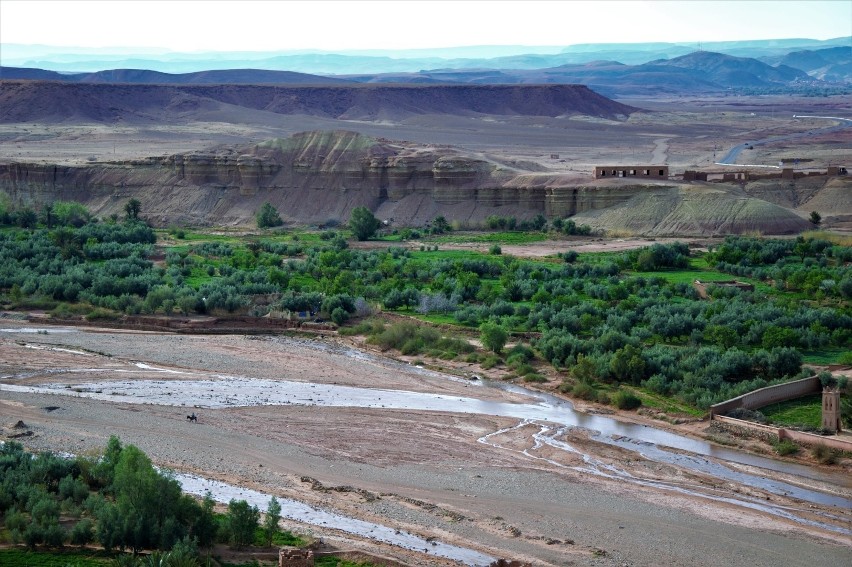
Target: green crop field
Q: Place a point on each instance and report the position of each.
(20, 557)
(804, 411)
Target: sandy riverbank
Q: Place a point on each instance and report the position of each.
(507, 498)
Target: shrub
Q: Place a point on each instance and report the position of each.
(490, 361)
(626, 400)
(520, 352)
(101, 314)
(339, 315)
(786, 447)
(534, 377)
(584, 391)
(824, 455)
(495, 250)
(493, 336)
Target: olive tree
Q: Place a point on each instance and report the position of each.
(493, 336)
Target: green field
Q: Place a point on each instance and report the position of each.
(19, 557)
(824, 356)
(805, 411)
(504, 237)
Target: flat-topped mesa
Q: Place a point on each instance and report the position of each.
(38, 101)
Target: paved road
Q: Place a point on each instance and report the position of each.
(731, 157)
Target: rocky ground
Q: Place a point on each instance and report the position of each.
(417, 471)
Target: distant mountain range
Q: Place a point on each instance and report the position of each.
(701, 71)
(146, 77)
(696, 72)
(79, 60)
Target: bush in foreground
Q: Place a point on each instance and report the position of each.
(626, 400)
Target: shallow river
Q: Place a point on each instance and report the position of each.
(553, 416)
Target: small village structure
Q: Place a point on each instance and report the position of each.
(747, 175)
(641, 171)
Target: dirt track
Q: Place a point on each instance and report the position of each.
(505, 498)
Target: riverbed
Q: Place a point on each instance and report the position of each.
(237, 384)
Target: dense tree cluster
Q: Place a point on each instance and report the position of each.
(120, 501)
(629, 327)
(813, 266)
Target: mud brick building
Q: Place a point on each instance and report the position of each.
(641, 171)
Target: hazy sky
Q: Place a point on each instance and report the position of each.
(210, 25)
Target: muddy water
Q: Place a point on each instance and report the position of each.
(232, 391)
(295, 510)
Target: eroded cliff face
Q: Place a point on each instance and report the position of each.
(310, 177)
(317, 177)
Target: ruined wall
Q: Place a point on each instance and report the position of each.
(770, 434)
(811, 439)
(742, 428)
(294, 557)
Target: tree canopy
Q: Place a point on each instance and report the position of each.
(363, 224)
(493, 336)
(132, 209)
(268, 217)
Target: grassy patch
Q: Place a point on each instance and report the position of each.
(662, 403)
(786, 447)
(280, 538)
(805, 411)
(824, 356)
(689, 275)
(503, 237)
(20, 557)
(436, 318)
(448, 254)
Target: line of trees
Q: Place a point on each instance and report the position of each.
(121, 502)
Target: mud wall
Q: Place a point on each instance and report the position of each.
(774, 434)
(744, 428)
(769, 395)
